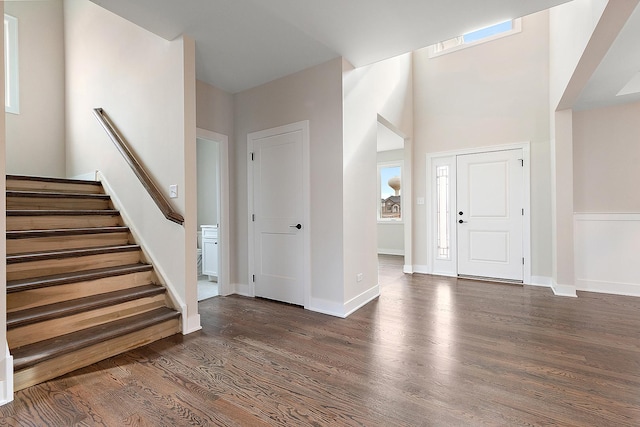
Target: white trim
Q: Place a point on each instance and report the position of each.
(407, 269)
(421, 269)
(383, 251)
(361, 300)
(544, 281)
(606, 216)
(244, 289)
(615, 288)
(526, 231)
(11, 48)
(189, 324)
(563, 290)
(302, 126)
(6, 385)
(223, 220)
(332, 308)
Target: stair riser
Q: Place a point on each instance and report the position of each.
(53, 294)
(38, 244)
(29, 334)
(53, 187)
(69, 362)
(27, 270)
(15, 223)
(56, 203)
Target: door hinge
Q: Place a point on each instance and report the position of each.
(521, 162)
(254, 278)
(522, 260)
(253, 217)
(522, 211)
(252, 158)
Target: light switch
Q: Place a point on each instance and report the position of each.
(173, 191)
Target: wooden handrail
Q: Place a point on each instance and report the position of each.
(137, 168)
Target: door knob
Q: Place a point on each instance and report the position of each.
(461, 222)
(460, 213)
(298, 226)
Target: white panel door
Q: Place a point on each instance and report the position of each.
(278, 205)
(490, 192)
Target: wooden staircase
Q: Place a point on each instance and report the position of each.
(79, 289)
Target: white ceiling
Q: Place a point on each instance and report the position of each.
(244, 43)
(619, 71)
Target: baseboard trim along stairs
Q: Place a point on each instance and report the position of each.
(79, 288)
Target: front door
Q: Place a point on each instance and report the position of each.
(490, 215)
(278, 216)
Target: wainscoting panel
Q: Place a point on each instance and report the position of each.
(607, 253)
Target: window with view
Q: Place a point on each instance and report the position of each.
(389, 187)
(473, 38)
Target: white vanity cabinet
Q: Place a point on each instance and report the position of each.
(210, 250)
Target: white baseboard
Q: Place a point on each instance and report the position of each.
(244, 290)
(543, 281)
(6, 384)
(562, 290)
(190, 324)
(89, 176)
(421, 269)
(324, 306)
(337, 309)
(361, 300)
(628, 289)
(382, 251)
(408, 269)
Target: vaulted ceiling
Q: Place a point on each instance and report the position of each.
(244, 43)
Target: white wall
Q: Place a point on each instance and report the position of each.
(606, 155)
(207, 165)
(314, 94)
(490, 94)
(147, 86)
(35, 137)
(384, 89)
(6, 362)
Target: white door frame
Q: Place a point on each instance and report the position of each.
(448, 157)
(303, 127)
(223, 195)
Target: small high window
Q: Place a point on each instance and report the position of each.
(11, 87)
(483, 35)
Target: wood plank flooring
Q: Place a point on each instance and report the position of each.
(429, 351)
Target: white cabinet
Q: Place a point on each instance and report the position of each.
(210, 250)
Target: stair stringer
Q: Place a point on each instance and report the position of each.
(190, 318)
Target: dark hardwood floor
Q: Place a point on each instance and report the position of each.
(429, 351)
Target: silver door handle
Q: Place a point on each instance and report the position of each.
(461, 222)
(298, 226)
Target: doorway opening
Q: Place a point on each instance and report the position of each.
(391, 202)
(212, 217)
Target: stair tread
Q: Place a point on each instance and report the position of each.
(61, 212)
(25, 234)
(70, 253)
(31, 354)
(56, 195)
(74, 277)
(51, 179)
(66, 308)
